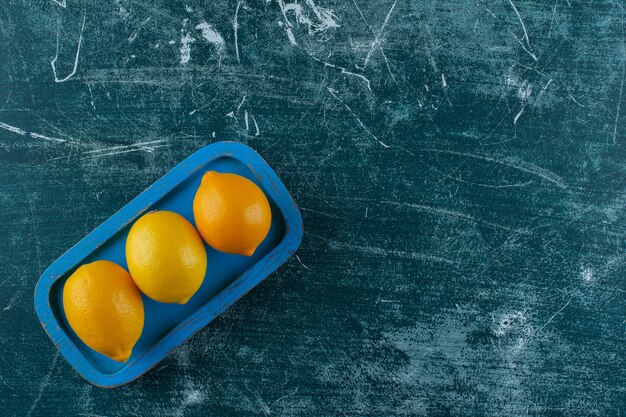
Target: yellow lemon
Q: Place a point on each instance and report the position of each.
(232, 213)
(104, 308)
(166, 257)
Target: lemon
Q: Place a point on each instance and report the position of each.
(104, 308)
(166, 257)
(232, 213)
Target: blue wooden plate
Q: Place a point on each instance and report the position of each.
(228, 277)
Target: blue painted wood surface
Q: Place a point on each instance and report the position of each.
(460, 169)
(228, 277)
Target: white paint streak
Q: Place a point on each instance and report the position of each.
(139, 145)
(291, 36)
(326, 18)
(212, 36)
(22, 132)
(518, 115)
(235, 29)
(185, 48)
(13, 129)
(62, 3)
(56, 55)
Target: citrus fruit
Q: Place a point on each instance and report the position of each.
(232, 213)
(104, 308)
(166, 257)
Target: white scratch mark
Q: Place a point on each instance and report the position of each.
(146, 149)
(323, 213)
(56, 56)
(544, 89)
(44, 383)
(380, 32)
(62, 3)
(140, 145)
(235, 29)
(377, 251)
(93, 105)
(245, 117)
(241, 104)
(13, 129)
(456, 214)
(212, 36)
(132, 37)
(256, 126)
(515, 185)
(516, 164)
(330, 90)
(22, 132)
(343, 70)
(302, 263)
(11, 301)
(443, 81)
(382, 51)
(555, 314)
(522, 22)
(619, 102)
(576, 101)
(556, 3)
(188, 8)
(48, 138)
(518, 115)
(524, 47)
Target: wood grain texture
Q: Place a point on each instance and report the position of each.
(460, 167)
